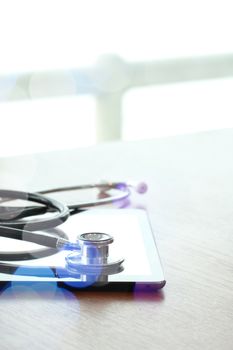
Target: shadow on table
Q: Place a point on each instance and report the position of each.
(47, 290)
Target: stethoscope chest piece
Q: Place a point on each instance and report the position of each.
(93, 257)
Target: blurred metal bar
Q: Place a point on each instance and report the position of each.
(108, 118)
(180, 70)
(109, 79)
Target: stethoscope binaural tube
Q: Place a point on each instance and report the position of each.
(123, 192)
(123, 188)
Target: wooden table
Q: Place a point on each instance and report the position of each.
(190, 204)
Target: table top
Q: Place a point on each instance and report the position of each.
(190, 205)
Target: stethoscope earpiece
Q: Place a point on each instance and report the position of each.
(141, 187)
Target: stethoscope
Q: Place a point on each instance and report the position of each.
(89, 254)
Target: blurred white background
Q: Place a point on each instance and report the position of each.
(66, 34)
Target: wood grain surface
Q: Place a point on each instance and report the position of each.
(190, 204)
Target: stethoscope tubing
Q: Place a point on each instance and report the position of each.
(61, 211)
(19, 213)
(14, 224)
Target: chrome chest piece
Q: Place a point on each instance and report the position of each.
(93, 257)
